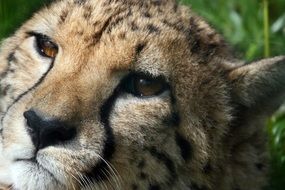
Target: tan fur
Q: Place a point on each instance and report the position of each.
(204, 132)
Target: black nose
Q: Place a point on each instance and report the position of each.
(47, 132)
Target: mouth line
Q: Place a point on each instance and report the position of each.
(33, 159)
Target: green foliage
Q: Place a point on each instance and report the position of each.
(240, 21)
(276, 131)
(15, 12)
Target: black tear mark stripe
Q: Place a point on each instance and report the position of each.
(27, 91)
(101, 171)
(169, 164)
(171, 121)
(184, 146)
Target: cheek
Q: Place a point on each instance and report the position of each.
(135, 120)
(25, 69)
(16, 142)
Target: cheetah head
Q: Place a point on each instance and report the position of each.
(130, 94)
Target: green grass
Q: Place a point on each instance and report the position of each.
(253, 29)
(14, 12)
(242, 23)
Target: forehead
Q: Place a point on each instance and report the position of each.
(125, 28)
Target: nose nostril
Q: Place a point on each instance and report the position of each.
(55, 133)
(47, 132)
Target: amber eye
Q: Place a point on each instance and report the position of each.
(144, 85)
(45, 46)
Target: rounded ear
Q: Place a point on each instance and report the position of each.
(260, 85)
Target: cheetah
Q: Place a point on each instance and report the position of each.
(131, 95)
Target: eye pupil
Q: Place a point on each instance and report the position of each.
(145, 86)
(45, 46)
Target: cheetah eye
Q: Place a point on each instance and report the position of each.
(143, 85)
(45, 46)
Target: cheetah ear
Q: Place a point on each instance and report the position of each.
(260, 86)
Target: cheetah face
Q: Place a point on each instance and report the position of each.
(129, 95)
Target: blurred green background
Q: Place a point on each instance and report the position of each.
(240, 21)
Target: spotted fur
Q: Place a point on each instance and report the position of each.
(204, 132)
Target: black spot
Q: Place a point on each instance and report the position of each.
(134, 26)
(11, 57)
(139, 48)
(166, 161)
(130, 13)
(108, 10)
(200, 44)
(196, 46)
(154, 187)
(122, 35)
(184, 145)
(135, 187)
(140, 4)
(193, 36)
(156, 2)
(63, 16)
(259, 166)
(152, 29)
(143, 175)
(79, 2)
(175, 6)
(107, 2)
(114, 23)
(146, 14)
(87, 12)
(80, 33)
(96, 23)
(177, 26)
(97, 35)
(141, 164)
(239, 113)
(197, 187)
(207, 168)
(5, 90)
